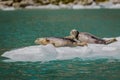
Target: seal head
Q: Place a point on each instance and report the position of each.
(74, 33)
(43, 41)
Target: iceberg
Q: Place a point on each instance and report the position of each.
(49, 52)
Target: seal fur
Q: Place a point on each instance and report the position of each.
(88, 38)
(58, 42)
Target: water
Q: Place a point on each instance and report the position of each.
(19, 29)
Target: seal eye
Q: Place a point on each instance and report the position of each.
(47, 40)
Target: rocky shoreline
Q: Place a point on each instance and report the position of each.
(57, 4)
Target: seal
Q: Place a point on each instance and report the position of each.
(58, 42)
(88, 38)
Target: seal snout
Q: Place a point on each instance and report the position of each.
(38, 40)
(41, 41)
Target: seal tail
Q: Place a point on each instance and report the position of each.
(110, 41)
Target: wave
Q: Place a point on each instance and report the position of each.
(7, 8)
(49, 52)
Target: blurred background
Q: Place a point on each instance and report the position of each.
(22, 21)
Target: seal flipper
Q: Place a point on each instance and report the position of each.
(80, 43)
(111, 41)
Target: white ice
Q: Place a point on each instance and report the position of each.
(49, 52)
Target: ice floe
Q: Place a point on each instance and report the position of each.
(49, 52)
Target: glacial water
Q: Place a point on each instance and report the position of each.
(21, 59)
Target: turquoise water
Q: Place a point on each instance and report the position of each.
(21, 27)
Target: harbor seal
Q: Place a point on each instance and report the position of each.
(58, 42)
(88, 38)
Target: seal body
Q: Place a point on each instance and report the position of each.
(58, 42)
(88, 38)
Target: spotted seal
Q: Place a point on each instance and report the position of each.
(58, 42)
(88, 38)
